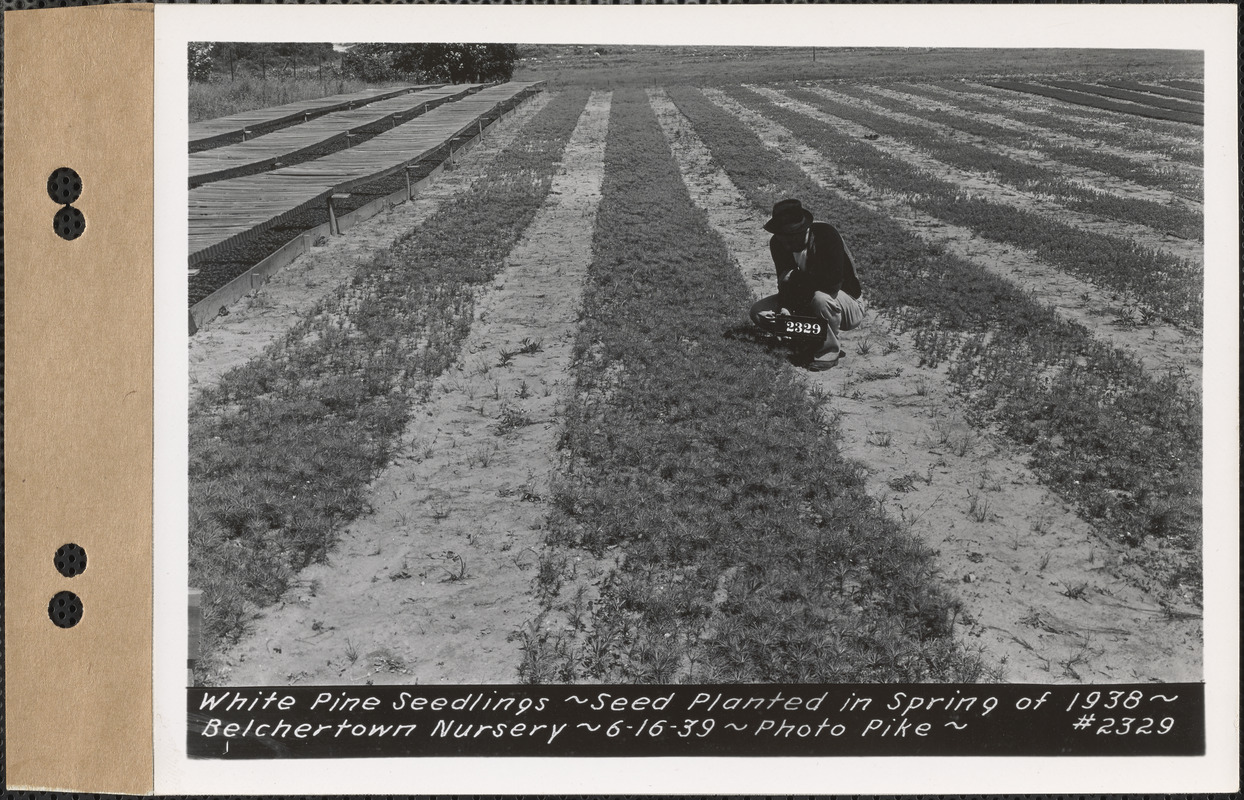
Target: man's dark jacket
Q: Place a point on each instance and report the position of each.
(829, 267)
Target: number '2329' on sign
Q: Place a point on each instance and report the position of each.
(802, 326)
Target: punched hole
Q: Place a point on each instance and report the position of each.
(64, 186)
(70, 560)
(69, 223)
(65, 610)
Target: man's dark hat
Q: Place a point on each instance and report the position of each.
(789, 216)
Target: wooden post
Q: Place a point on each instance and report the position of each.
(245, 133)
(410, 193)
(332, 217)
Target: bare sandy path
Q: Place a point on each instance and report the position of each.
(1039, 599)
(1092, 179)
(431, 586)
(260, 318)
(1041, 136)
(1159, 346)
(983, 185)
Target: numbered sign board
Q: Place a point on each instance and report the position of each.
(811, 328)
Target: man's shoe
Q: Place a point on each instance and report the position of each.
(823, 363)
(814, 364)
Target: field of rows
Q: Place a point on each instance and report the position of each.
(532, 436)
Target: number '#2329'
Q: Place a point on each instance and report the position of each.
(798, 327)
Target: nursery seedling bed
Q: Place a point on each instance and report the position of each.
(893, 412)
(712, 514)
(1158, 89)
(1102, 259)
(1088, 413)
(318, 137)
(1177, 154)
(226, 212)
(284, 448)
(1195, 86)
(236, 260)
(1161, 347)
(224, 130)
(1154, 132)
(216, 273)
(1139, 171)
(1098, 101)
(702, 458)
(1033, 176)
(1195, 109)
(318, 264)
(478, 449)
(1171, 140)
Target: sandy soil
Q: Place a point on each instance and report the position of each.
(1093, 179)
(432, 586)
(1154, 160)
(1038, 594)
(260, 318)
(981, 184)
(1159, 346)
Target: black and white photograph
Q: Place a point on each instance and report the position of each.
(581, 363)
(699, 365)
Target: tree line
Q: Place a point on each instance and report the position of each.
(427, 63)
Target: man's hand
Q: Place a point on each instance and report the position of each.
(771, 316)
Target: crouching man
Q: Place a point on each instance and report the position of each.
(816, 278)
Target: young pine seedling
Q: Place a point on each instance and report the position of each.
(978, 507)
(459, 570)
(880, 438)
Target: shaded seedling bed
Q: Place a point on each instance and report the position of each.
(216, 272)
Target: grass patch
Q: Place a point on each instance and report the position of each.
(282, 451)
(752, 552)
